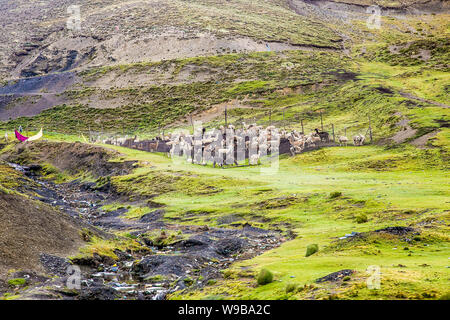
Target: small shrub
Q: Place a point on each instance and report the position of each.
(188, 281)
(228, 274)
(335, 194)
(264, 277)
(346, 278)
(211, 282)
(17, 282)
(362, 218)
(311, 249)
(291, 287)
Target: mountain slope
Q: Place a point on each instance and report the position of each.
(139, 66)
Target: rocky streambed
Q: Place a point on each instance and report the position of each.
(195, 260)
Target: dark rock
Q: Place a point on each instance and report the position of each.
(249, 228)
(191, 243)
(148, 242)
(181, 285)
(122, 256)
(160, 296)
(103, 188)
(86, 261)
(3, 286)
(35, 167)
(154, 204)
(111, 220)
(87, 186)
(165, 265)
(94, 261)
(399, 231)
(226, 247)
(54, 265)
(335, 276)
(98, 293)
(152, 216)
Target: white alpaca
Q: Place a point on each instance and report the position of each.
(254, 158)
(358, 140)
(343, 140)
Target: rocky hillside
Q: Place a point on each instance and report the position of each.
(139, 66)
(31, 228)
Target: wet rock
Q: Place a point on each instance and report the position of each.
(181, 285)
(32, 170)
(148, 242)
(109, 276)
(160, 295)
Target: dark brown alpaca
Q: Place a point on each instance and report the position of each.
(324, 136)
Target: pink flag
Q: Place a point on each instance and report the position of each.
(20, 137)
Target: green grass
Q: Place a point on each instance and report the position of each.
(106, 247)
(17, 282)
(391, 186)
(407, 194)
(320, 195)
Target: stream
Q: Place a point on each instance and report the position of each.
(193, 261)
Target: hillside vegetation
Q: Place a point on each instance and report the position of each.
(313, 230)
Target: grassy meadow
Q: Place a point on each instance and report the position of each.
(314, 198)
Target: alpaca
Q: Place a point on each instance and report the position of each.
(343, 140)
(153, 146)
(297, 142)
(324, 136)
(295, 150)
(358, 140)
(363, 138)
(254, 158)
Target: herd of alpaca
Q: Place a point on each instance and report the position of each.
(225, 145)
(300, 141)
(229, 145)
